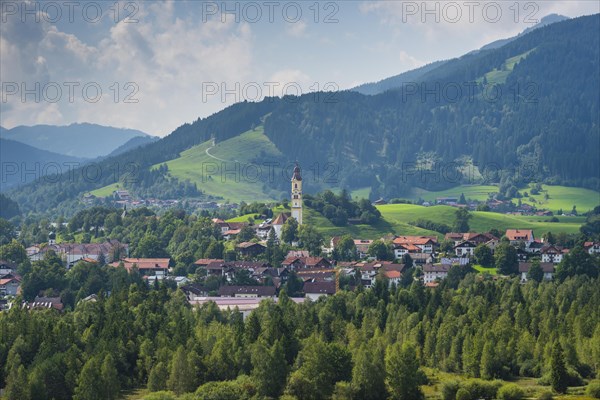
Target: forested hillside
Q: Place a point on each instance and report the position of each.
(538, 122)
(541, 127)
(362, 345)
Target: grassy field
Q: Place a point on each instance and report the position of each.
(563, 197)
(396, 218)
(227, 170)
(559, 197)
(228, 173)
(498, 76)
(481, 221)
(483, 270)
(107, 190)
(474, 192)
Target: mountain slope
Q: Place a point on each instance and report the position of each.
(76, 140)
(539, 129)
(22, 163)
(397, 81)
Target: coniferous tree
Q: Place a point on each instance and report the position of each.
(403, 376)
(535, 272)
(558, 370)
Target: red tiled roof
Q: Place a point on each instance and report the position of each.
(8, 280)
(280, 220)
(206, 261)
(392, 274)
(416, 240)
(519, 234)
(144, 263)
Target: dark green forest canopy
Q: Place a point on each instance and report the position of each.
(139, 337)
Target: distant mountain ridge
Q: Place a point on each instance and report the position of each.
(81, 140)
(416, 75)
(22, 163)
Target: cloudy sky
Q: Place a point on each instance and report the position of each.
(154, 65)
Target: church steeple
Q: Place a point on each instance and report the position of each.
(297, 195)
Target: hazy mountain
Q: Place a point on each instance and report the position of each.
(133, 143)
(76, 140)
(541, 128)
(415, 75)
(22, 163)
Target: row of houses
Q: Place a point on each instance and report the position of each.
(433, 273)
(71, 253)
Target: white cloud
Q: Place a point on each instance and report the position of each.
(168, 58)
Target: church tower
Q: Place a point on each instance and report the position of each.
(297, 195)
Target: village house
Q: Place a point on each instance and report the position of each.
(592, 247)
(294, 263)
(6, 267)
(71, 253)
(370, 270)
(515, 236)
(393, 277)
(547, 267)
(194, 291)
(314, 290)
(245, 305)
(552, 254)
(426, 244)
(263, 229)
(250, 249)
(362, 247)
(146, 266)
(465, 248)
(455, 260)
(433, 272)
(476, 238)
(247, 291)
(9, 284)
(257, 270)
(535, 247)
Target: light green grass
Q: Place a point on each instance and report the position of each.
(107, 190)
(481, 221)
(483, 270)
(560, 197)
(239, 152)
(498, 76)
(563, 197)
(474, 192)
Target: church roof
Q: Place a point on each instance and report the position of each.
(280, 220)
(296, 176)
